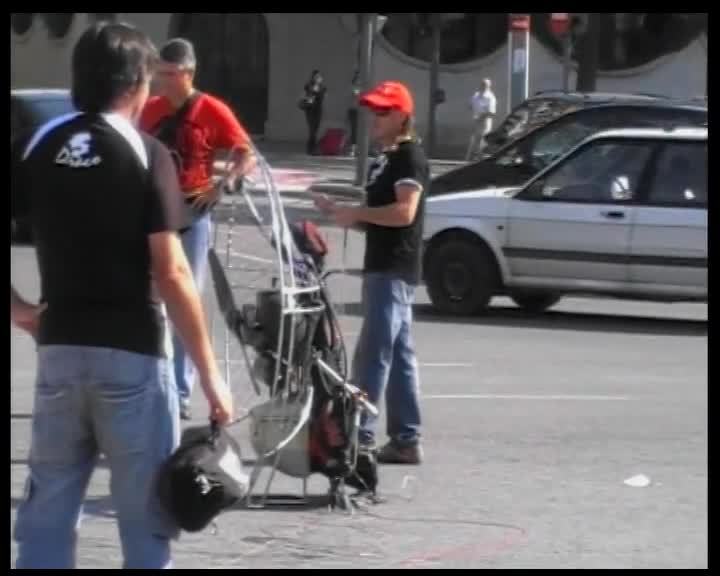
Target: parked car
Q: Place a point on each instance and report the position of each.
(30, 109)
(624, 213)
(547, 105)
(567, 120)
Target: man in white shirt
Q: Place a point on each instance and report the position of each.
(484, 106)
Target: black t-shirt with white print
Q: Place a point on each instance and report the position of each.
(396, 250)
(94, 189)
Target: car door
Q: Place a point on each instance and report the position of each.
(669, 245)
(571, 225)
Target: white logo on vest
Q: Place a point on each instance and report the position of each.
(377, 169)
(76, 152)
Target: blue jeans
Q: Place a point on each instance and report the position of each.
(196, 242)
(385, 358)
(90, 401)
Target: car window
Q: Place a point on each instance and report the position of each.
(602, 172)
(680, 177)
(533, 113)
(546, 145)
(530, 115)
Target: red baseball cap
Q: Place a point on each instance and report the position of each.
(393, 95)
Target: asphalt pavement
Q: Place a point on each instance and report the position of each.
(571, 439)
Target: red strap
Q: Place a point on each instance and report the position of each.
(315, 238)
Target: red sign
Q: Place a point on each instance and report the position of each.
(559, 23)
(519, 21)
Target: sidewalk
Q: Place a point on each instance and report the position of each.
(296, 173)
(294, 151)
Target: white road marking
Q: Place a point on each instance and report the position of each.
(235, 254)
(447, 364)
(426, 365)
(521, 397)
(639, 481)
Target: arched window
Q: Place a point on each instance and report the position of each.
(464, 36)
(629, 39)
(58, 24)
(21, 23)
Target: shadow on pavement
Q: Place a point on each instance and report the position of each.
(557, 320)
(102, 463)
(101, 506)
(287, 502)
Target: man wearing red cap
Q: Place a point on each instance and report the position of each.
(392, 219)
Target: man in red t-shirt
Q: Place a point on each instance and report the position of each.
(195, 126)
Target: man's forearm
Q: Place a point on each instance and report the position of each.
(187, 315)
(17, 303)
(392, 215)
(244, 162)
(15, 298)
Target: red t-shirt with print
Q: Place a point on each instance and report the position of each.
(207, 127)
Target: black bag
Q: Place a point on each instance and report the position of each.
(202, 478)
(306, 102)
(166, 129)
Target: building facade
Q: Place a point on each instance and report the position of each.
(260, 62)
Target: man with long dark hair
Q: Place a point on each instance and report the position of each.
(105, 206)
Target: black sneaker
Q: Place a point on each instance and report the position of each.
(185, 411)
(394, 453)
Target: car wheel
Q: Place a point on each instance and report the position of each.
(535, 301)
(461, 276)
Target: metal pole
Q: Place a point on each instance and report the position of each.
(519, 45)
(363, 135)
(567, 47)
(434, 76)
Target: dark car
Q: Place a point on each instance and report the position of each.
(30, 109)
(544, 127)
(548, 105)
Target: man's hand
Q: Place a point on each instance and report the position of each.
(25, 315)
(220, 400)
(324, 204)
(204, 198)
(244, 163)
(345, 217)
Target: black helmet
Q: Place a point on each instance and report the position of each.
(203, 477)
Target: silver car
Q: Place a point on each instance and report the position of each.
(624, 214)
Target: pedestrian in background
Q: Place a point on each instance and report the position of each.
(312, 104)
(484, 108)
(392, 219)
(353, 112)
